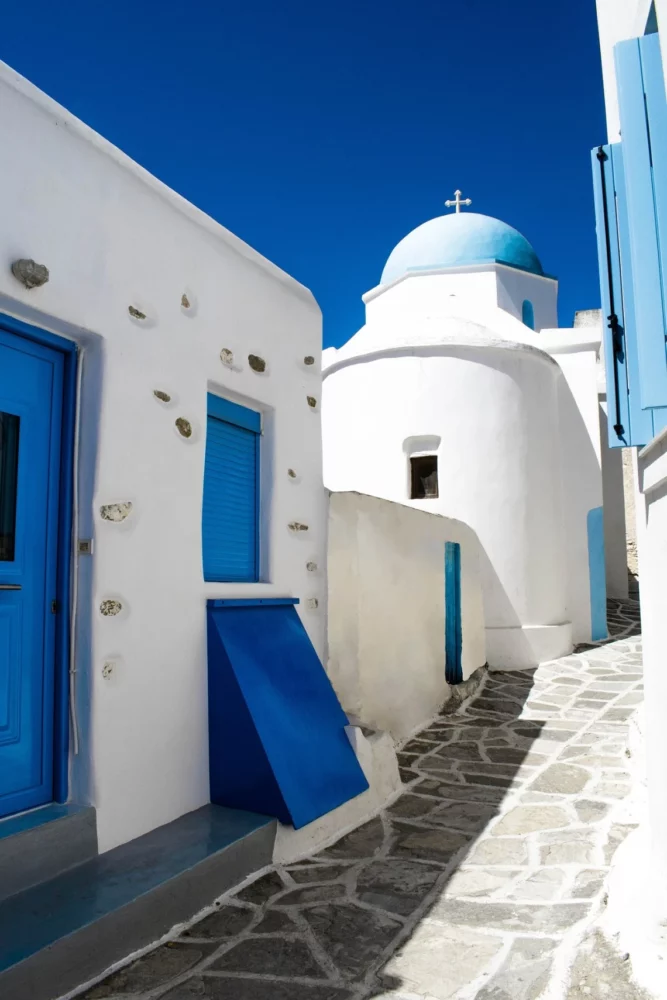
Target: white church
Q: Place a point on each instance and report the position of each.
(460, 396)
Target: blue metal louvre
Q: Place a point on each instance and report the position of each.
(643, 116)
(230, 515)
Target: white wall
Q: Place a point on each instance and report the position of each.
(484, 286)
(492, 410)
(387, 610)
(114, 237)
(579, 427)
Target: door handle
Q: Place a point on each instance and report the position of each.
(10, 586)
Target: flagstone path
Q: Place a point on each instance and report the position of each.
(479, 883)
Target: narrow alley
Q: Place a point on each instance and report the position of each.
(483, 881)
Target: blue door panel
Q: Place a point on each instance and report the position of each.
(277, 736)
(453, 633)
(230, 515)
(31, 394)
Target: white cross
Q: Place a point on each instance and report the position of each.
(458, 201)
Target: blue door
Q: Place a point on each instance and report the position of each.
(31, 386)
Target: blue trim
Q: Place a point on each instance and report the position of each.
(234, 413)
(64, 545)
(528, 314)
(597, 573)
(249, 602)
(453, 631)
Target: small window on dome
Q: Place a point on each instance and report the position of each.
(528, 314)
(424, 477)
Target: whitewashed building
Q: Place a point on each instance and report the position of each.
(461, 397)
(630, 186)
(160, 464)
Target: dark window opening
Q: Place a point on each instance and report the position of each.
(424, 477)
(9, 464)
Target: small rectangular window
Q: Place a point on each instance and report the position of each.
(230, 512)
(424, 477)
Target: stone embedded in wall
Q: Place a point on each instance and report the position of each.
(116, 511)
(291, 473)
(164, 397)
(311, 567)
(30, 273)
(309, 359)
(107, 669)
(109, 608)
(185, 301)
(136, 313)
(184, 427)
(312, 604)
(227, 357)
(256, 363)
(297, 526)
(312, 402)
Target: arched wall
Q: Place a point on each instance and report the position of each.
(495, 413)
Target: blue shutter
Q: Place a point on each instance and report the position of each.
(643, 116)
(230, 516)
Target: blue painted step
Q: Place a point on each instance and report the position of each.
(68, 930)
(40, 844)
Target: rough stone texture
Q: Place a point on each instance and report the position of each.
(477, 883)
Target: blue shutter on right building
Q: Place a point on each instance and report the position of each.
(230, 513)
(630, 182)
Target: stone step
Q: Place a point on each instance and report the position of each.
(38, 845)
(69, 930)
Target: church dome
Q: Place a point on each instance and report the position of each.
(459, 239)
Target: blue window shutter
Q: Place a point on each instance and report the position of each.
(641, 208)
(230, 513)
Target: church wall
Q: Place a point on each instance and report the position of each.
(431, 294)
(499, 469)
(579, 426)
(387, 610)
(116, 240)
(514, 286)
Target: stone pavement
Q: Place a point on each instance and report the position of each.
(481, 881)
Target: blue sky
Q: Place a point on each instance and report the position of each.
(322, 133)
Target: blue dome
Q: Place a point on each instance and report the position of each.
(458, 239)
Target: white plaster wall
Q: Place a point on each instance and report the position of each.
(579, 434)
(112, 237)
(651, 510)
(619, 20)
(387, 610)
(486, 286)
(493, 413)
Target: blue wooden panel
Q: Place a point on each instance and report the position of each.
(453, 633)
(642, 226)
(597, 574)
(656, 116)
(230, 511)
(277, 736)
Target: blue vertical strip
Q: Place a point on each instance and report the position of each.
(453, 632)
(643, 234)
(528, 314)
(597, 573)
(640, 422)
